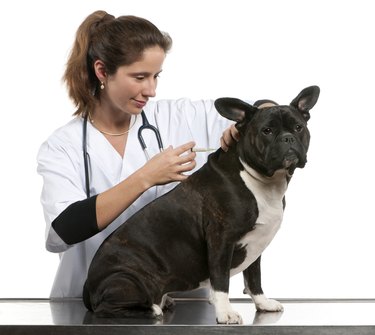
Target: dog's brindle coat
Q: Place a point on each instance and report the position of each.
(213, 225)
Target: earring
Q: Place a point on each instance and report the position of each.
(102, 85)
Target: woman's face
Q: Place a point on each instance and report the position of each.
(129, 89)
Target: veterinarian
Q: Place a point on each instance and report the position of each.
(95, 173)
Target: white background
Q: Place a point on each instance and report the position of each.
(242, 48)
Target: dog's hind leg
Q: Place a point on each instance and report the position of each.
(123, 296)
(167, 302)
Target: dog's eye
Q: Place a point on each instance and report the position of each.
(298, 128)
(267, 131)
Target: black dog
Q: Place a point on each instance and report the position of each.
(212, 226)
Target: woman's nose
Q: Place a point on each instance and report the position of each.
(150, 88)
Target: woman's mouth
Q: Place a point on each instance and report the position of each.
(139, 103)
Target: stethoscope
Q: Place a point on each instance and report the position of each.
(86, 156)
(147, 125)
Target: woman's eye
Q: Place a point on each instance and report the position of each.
(267, 131)
(142, 77)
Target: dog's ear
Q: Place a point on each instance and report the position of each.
(306, 100)
(235, 109)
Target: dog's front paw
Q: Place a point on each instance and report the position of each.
(264, 304)
(224, 312)
(228, 316)
(270, 305)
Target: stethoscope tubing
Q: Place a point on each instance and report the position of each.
(147, 125)
(86, 156)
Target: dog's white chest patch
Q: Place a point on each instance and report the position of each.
(269, 194)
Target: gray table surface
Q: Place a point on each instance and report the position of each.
(43, 316)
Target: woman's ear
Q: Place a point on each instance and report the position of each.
(100, 71)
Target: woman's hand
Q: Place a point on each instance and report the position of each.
(169, 165)
(165, 167)
(230, 136)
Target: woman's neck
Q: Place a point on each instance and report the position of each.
(107, 120)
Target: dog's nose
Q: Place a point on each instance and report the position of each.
(288, 139)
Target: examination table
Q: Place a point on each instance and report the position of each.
(195, 317)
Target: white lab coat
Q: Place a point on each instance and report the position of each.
(60, 163)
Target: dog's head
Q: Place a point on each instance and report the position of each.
(274, 137)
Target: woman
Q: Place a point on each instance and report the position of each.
(111, 74)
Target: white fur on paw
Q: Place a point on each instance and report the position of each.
(224, 312)
(264, 304)
(157, 311)
(228, 317)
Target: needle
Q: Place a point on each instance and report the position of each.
(202, 149)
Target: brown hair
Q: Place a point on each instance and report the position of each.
(116, 42)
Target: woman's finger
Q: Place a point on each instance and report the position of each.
(184, 147)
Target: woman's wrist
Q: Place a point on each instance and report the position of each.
(142, 179)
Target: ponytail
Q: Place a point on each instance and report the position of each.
(78, 76)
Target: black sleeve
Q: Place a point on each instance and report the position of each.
(77, 222)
